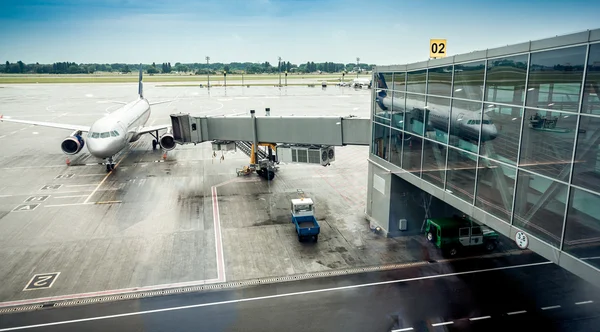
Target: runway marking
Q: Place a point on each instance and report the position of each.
(218, 242)
(71, 204)
(109, 173)
(404, 329)
(551, 307)
(108, 202)
(200, 305)
(98, 174)
(480, 318)
(444, 323)
(82, 185)
(517, 312)
(71, 196)
(584, 302)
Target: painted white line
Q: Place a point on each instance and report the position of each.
(81, 185)
(551, 307)
(404, 329)
(98, 174)
(218, 241)
(251, 298)
(444, 323)
(2, 136)
(517, 312)
(61, 205)
(480, 318)
(584, 302)
(70, 196)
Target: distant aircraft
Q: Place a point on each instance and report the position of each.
(112, 133)
(465, 124)
(360, 82)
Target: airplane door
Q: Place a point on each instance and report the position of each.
(464, 235)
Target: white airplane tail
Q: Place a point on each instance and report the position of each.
(140, 84)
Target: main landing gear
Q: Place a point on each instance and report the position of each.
(155, 140)
(110, 165)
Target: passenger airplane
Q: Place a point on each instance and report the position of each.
(360, 82)
(112, 133)
(464, 124)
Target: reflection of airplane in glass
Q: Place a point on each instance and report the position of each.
(465, 124)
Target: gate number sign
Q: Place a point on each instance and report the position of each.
(41, 281)
(437, 48)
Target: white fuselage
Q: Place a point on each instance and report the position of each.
(463, 123)
(112, 133)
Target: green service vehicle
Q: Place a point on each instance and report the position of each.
(452, 235)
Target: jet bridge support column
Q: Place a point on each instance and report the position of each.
(254, 137)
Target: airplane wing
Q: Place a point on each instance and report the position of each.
(149, 129)
(161, 102)
(48, 124)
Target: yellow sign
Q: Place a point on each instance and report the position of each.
(437, 48)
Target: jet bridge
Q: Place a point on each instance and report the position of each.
(296, 136)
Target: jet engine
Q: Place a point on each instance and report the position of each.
(73, 144)
(167, 141)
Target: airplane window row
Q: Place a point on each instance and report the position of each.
(105, 134)
(479, 121)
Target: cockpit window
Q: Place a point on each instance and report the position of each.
(95, 135)
(114, 133)
(488, 122)
(105, 135)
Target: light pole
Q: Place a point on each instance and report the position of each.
(243, 78)
(208, 70)
(286, 78)
(279, 58)
(357, 66)
(225, 77)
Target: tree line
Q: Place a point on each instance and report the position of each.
(193, 68)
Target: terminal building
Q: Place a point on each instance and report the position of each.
(509, 137)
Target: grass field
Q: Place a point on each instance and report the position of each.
(130, 78)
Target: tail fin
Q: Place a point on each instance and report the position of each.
(381, 81)
(140, 84)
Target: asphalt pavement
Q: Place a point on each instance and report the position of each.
(504, 293)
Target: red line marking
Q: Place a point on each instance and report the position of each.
(218, 243)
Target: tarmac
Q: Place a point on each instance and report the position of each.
(184, 218)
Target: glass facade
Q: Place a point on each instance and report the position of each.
(517, 136)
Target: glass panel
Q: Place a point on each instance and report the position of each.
(438, 112)
(460, 178)
(415, 112)
(387, 78)
(411, 154)
(382, 106)
(399, 83)
(398, 108)
(95, 135)
(439, 81)
(463, 232)
(476, 231)
(381, 138)
(465, 125)
(586, 171)
(555, 79)
(434, 162)
(542, 216)
(416, 81)
(591, 93)
(396, 147)
(495, 184)
(505, 82)
(500, 132)
(116, 133)
(105, 135)
(582, 232)
(112, 134)
(468, 80)
(547, 143)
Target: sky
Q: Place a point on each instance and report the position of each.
(382, 32)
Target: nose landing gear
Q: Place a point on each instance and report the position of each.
(110, 165)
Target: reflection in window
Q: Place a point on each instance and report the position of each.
(399, 82)
(460, 178)
(591, 93)
(105, 135)
(438, 114)
(383, 104)
(95, 135)
(463, 134)
(505, 82)
(439, 81)
(468, 80)
(505, 122)
(398, 108)
(547, 143)
(381, 139)
(388, 77)
(434, 163)
(416, 81)
(495, 183)
(555, 78)
(586, 170)
(582, 232)
(396, 147)
(415, 112)
(411, 154)
(542, 216)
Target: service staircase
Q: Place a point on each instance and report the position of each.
(246, 148)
